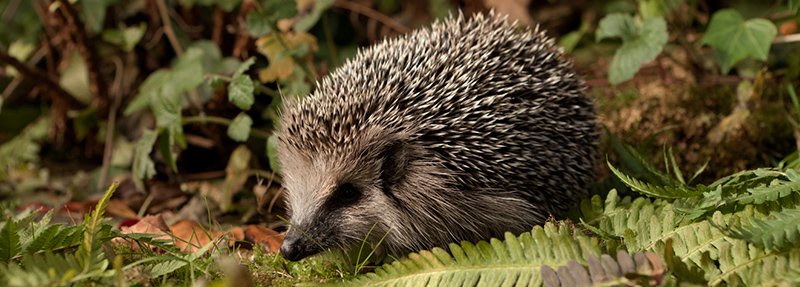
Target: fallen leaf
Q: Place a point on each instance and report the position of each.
(191, 236)
(150, 224)
(118, 208)
(268, 239)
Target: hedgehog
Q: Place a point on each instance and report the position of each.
(459, 132)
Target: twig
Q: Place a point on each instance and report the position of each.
(369, 12)
(173, 40)
(40, 77)
(112, 118)
(98, 85)
(222, 121)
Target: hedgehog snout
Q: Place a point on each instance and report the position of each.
(296, 246)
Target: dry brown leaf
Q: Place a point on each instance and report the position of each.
(268, 239)
(150, 224)
(191, 236)
(116, 207)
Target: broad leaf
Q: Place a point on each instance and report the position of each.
(734, 39)
(240, 92)
(641, 43)
(239, 130)
(258, 24)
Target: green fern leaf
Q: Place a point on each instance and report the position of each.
(776, 190)
(166, 267)
(772, 233)
(652, 190)
(88, 251)
(41, 239)
(514, 261)
(9, 241)
(66, 237)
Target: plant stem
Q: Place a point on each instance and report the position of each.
(222, 121)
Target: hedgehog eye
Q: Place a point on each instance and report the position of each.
(348, 192)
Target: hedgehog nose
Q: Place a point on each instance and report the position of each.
(291, 249)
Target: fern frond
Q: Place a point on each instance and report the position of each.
(743, 264)
(88, 251)
(643, 267)
(9, 241)
(775, 190)
(514, 261)
(650, 190)
(772, 233)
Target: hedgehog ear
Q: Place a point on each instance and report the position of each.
(395, 160)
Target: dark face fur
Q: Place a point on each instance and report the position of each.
(336, 193)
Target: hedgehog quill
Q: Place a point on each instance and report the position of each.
(463, 131)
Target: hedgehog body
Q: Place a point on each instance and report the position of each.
(463, 131)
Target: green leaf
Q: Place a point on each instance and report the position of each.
(188, 71)
(280, 9)
(240, 92)
(641, 43)
(239, 130)
(616, 25)
(244, 67)
(794, 6)
(734, 39)
(258, 24)
(128, 38)
(9, 241)
(272, 153)
(143, 166)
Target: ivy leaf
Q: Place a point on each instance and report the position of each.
(240, 92)
(734, 39)
(239, 130)
(641, 43)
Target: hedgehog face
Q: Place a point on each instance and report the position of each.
(336, 193)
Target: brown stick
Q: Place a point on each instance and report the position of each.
(369, 12)
(42, 78)
(98, 85)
